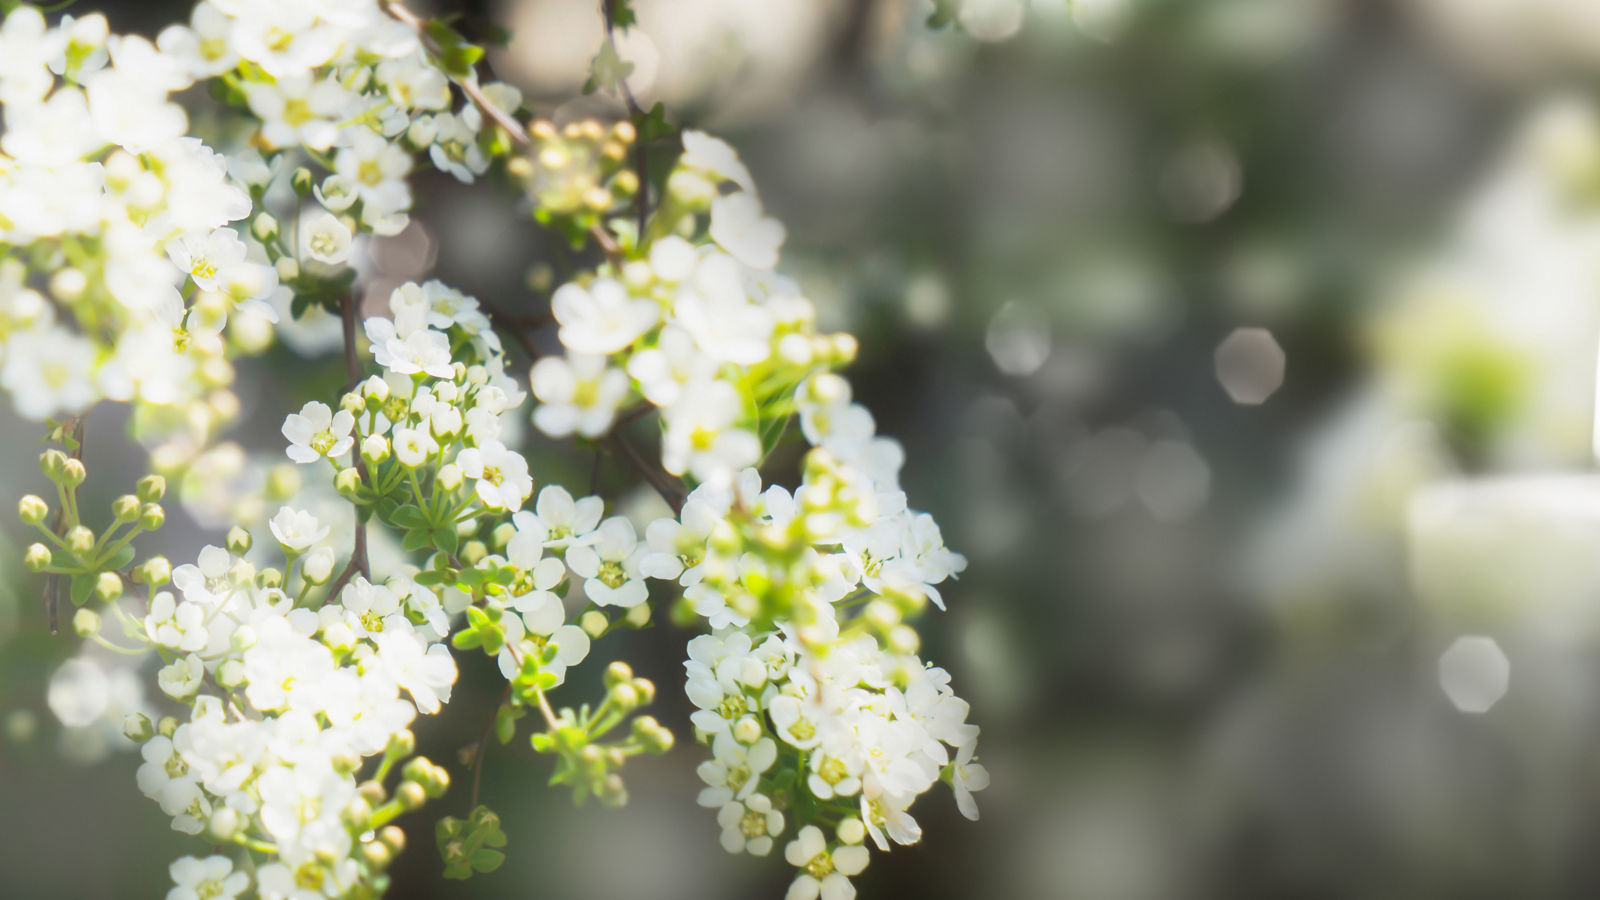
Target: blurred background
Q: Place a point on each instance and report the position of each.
(1247, 348)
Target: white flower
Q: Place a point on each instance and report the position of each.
(422, 350)
(325, 238)
(180, 626)
(558, 519)
(296, 109)
(714, 157)
(739, 227)
(426, 675)
(297, 529)
(48, 372)
(663, 370)
(750, 825)
(604, 318)
(611, 565)
(317, 431)
(211, 878)
(826, 874)
(181, 677)
(678, 548)
(967, 776)
(413, 446)
(735, 769)
(501, 475)
(701, 438)
(577, 394)
(207, 257)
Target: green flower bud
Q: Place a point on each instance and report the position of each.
(357, 815)
(270, 577)
(353, 404)
(153, 571)
(73, 473)
(264, 228)
(230, 673)
(166, 725)
(85, 622)
(393, 838)
(51, 463)
(107, 587)
(472, 551)
(125, 508)
(347, 482)
(151, 488)
(301, 181)
(372, 792)
(594, 623)
(646, 690)
(152, 517)
(138, 728)
(238, 541)
(625, 697)
(376, 855)
(411, 795)
(32, 509)
(401, 743)
(618, 673)
(80, 539)
(638, 616)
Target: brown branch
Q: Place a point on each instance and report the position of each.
(670, 489)
(471, 88)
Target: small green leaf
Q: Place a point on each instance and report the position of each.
(486, 860)
(607, 70)
(82, 588)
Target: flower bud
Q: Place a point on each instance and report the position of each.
(153, 571)
(301, 181)
(450, 476)
(372, 792)
(617, 673)
(51, 463)
(238, 541)
(151, 488)
(264, 228)
(625, 697)
(903, 639)
(652, 735)
(401, 743)
(137, 727)
(318, 566)
(638, 616)
(85, 622)
(375, 390)
(646, 689)
(270, 577)
(375, 448)
(80, 539)
(852, 831)
(73, 473)
(242, 572)
(166, 725)
(353, 404)
(288, 268)
(230, 673)
(411, 795)
(345, 763)
(472, 551)
(347, 482)
(152, 517)
(242, 639)
(32, 509)
(594, 623)
(225, 823)
(377, 855)
(393, 838)
(107, 587)
(747, 730)
(125, 508)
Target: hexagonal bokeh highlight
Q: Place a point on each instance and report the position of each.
(1250, 365)
(1474, 674)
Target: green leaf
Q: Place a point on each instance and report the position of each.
(416, 539)
(409, 516)
(621, 13)
(486, 860)
(607, 70)
(653, 125)
(445, 539)
(119, 559)
(82, 588)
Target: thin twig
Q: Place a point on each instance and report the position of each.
(470, 87)
(670, 489)
(483, 744)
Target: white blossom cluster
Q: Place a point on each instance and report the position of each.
(119, 266)
(123, 277)
(285, 703)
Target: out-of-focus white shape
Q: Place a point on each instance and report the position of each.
(1173, 480)
(1097, 477)
(1101, 20)
(1201, 181)
(1250, 365)
(1474, 674)
(991, 20)
(1510, 555)
(685, 52)
(927, 300)
(79, 692)
(1018, 339)
(1517, 38)
(407, 256)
